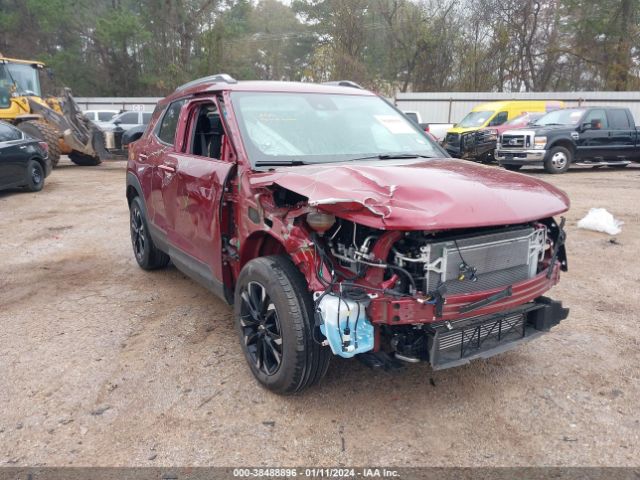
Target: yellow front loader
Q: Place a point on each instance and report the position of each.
(57, 121)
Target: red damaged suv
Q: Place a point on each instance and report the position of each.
(336, 227)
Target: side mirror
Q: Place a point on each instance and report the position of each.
(117, 122)
(132, 135)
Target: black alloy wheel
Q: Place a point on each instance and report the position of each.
(261, 328)
(138, 234)
(274, 317)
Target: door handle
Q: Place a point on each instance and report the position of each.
(22, 147)
(167, 168)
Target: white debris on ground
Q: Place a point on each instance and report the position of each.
(600, 220)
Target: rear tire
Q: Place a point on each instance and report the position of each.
(558, 160)
(274, 319)
(84, 160)
(147, 254)
(513, 168)
(35, 176)
(41, 130)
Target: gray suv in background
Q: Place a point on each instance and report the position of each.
(127, 120)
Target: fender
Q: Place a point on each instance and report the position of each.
(133, 182)
(564, 141)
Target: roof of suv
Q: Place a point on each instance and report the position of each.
(263, 86)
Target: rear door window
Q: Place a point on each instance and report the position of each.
(168, 126)
(618, 119)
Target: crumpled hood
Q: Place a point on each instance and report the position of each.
(421, 195)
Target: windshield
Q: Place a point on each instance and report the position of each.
(569, 116)
(475, 119)
(524, 119)
(25, 78)
(320, 128)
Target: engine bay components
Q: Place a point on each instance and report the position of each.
(427, 262)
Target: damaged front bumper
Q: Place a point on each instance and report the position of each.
(451, 344)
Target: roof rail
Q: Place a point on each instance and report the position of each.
(217, 78)
(344, 83)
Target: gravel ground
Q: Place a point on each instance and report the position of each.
(105, 364)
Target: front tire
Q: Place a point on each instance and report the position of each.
(274, 319)
(513, 168)
(35, 176)
(147, 254)
(558, 160)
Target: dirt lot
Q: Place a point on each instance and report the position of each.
(105, 364)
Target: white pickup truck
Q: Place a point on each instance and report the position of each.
(437, 130)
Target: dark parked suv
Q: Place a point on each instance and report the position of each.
(336, 227)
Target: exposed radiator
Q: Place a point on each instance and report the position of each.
(483, 262)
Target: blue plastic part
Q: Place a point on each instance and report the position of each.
(339, 314)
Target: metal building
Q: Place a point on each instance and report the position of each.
(434, 107)
(451, 107)
(143, 104)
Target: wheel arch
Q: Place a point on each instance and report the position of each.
(260, 244)
(566, 143)
(134, 189)
(41, 161)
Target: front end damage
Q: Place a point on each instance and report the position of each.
(418, 293)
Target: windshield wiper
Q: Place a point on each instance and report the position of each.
(279, 163)
(552, 125)
(391, 156)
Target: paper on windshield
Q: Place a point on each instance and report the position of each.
(395, 124)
